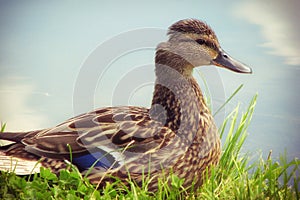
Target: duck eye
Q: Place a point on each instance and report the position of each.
(200, 41)
(225, 56)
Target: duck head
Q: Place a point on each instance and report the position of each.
(193, 43)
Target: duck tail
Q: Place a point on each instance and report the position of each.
(14, 158)
(17, 136)
(19, 166)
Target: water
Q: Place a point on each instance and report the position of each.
(44, 46)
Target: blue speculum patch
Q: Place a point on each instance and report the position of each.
(96, 159)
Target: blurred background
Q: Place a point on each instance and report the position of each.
(45, 47)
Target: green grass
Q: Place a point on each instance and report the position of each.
(234, 178)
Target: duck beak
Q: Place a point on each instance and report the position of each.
(226, 61)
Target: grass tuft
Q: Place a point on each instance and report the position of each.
(234, 178)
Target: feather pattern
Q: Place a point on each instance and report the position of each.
(176, 134)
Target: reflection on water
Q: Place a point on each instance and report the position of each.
(47, 48)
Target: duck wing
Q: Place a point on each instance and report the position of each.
(104, 133)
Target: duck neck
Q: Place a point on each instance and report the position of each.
(177, 100)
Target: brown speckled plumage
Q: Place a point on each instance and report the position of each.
(177, 134)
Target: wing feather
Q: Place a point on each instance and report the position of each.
(113, 127)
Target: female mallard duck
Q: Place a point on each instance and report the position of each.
(177, 134)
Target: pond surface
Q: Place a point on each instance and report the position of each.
(45, 46)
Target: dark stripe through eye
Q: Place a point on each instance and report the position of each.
(208, 43)
(200, 41)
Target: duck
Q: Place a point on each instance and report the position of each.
(177, 134)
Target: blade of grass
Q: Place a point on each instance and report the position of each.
(229, 99)
(3, 125)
